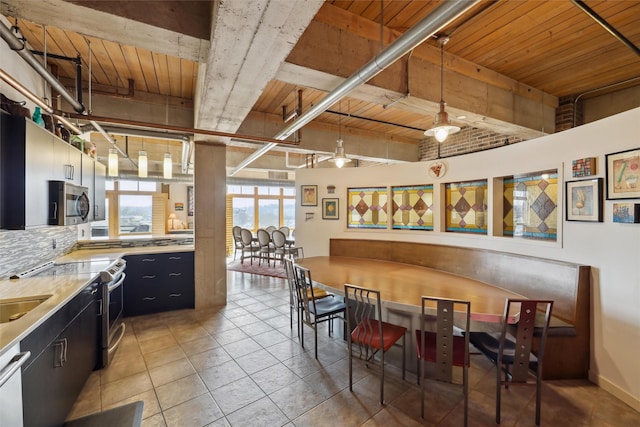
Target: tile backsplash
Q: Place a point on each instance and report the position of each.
(23, 249)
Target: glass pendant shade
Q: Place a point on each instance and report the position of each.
(339, 158)
(142, 164)
(168, 166)
(113, 162)
(442, 126)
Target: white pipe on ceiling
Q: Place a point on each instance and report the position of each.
(443, 14)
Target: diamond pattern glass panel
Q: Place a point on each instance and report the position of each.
(367, 207)
(412, 207)
(530, 208)
(466, 207)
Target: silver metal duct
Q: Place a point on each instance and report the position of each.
(446, 12)
(18, 46)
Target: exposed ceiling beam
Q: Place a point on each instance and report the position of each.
(249, 39)
(94, 23)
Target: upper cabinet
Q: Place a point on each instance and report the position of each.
(27, 150)
(67, 163)
(30, 156)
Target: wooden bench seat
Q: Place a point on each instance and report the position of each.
(567, 284)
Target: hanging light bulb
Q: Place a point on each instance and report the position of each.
(113, 162)
(168, 166)
(442, 126)
(339, 158)
(142, 162)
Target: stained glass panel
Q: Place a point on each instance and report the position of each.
(412, 207)
(367, 207)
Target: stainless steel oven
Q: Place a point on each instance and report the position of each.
(113, 327)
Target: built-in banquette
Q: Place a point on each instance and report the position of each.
(567, 284)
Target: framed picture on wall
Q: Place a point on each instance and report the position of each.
(623, 175)
(308, 195)
(190, 200)
(330, 208)
(584, 200)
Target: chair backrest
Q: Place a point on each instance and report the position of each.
(447, 352)
(235, 231)
(305, 291)
(364, 305)
(285, 230)
(279, 239)
(270, 229)
(527, 326)
(246, 237)
(263, 238)
(289, 268)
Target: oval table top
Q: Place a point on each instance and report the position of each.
(404, 284)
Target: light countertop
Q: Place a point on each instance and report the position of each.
(61, 288)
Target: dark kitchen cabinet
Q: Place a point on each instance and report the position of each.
(159, 282)
(64, 351)
(27, 150)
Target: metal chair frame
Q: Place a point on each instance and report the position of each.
(315, 310)
(237, 240)
(445, 338)
(366, 309)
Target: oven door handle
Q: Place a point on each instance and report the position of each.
(14, 364)
(113, 285)
(122, 326)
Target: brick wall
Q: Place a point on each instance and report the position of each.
(565, 113)
(468, 140)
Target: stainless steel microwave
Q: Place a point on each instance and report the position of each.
(69, 204)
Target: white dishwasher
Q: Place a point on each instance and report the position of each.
(11, 386)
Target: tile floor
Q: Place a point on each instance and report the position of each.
(241, 365)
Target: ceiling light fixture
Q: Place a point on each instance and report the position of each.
(442, 126)
(113, 162)
(339, 158)
(142, 162)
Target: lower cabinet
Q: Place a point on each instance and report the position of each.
(64, 353)
(158, 282)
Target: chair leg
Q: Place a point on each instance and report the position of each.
(381, 377)
(315, 337)
(465, 389)
(498, 390)
(350, 368)
(538, 396)
(421, 369)
(404, 354)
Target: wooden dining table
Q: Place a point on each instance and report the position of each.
(401, 285)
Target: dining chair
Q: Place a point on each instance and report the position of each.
(444, 345)
(266, 247)
(248, 245)
(315, 310)
(295, 252)
(237, 240)
(286, 230)
(279, 245)
(270, 229)
(367, 330)
(295, 303)
(513, 349)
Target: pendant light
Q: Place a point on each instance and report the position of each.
(113, 162)
(142, 162)
(168, 164)
(442, 126)
(339, 158)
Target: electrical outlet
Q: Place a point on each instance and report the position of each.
(54, 243)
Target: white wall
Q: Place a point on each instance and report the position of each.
(613, 250)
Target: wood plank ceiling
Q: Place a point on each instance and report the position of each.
(547, 47)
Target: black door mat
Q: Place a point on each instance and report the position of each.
(123, 416)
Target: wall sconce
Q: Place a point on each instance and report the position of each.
(331, 189)
(113, 162)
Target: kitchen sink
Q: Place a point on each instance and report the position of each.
(13, 309)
